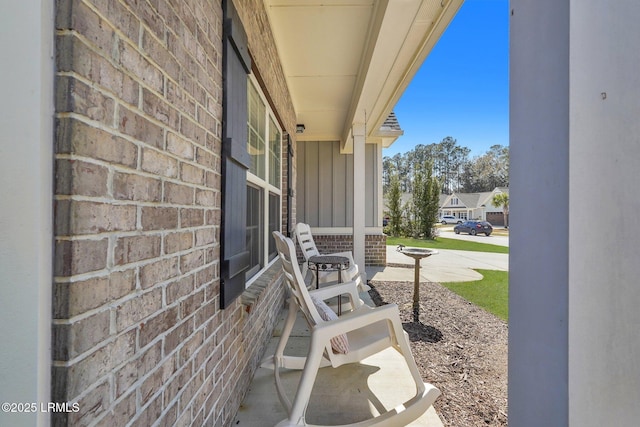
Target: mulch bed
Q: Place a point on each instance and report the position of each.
(459, 348)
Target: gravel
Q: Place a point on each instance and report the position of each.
(459, 348)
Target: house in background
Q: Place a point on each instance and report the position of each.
(477, 206)
(154, 146)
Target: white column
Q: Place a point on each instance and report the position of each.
(358, 131)
(26, 188)
(573, 283)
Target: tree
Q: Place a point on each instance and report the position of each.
(394, 203)
(486, 172)
(426, 191)
(502, 200)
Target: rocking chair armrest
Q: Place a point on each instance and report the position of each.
(327, 292)
(359, 318)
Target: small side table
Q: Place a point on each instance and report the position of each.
(329, 263)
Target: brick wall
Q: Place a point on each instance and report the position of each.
(138, 335)
(375, 246)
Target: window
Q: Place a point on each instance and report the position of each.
(454, 201)
(264, 141)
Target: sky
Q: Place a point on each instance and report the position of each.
(462, 88)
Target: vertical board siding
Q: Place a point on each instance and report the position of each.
(325, 184)
(340, 194)
(371, 181)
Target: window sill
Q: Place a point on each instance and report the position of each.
(252, 295)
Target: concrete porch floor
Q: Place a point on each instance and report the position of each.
(357, 392)
(347, 394)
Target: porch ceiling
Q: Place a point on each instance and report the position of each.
(348, 61)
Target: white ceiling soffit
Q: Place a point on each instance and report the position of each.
(347, 60)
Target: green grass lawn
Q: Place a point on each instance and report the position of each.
(443, 243)
(491, 293)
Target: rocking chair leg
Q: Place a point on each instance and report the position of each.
(287, 328)
(406, 352)
(305, 386)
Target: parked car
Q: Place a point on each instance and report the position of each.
(450, 219)
(473, 228)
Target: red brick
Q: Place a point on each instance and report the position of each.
(177, 336)
(155, 382)
(205, 236)
(176, 242)
(190, 389)
(148, 16)
(77, 16)
(136, 248)
(74, 55)
(159, 109)
(149, 414)
(154, 218)
(205, 158)
(177, 96)
(81, 178)
(158, 271)
(159, 54)
(176, 384)
(71, 299)
(191, 174)
(93, 403)
(157, 325)
(136, 187)
(94, 218)
(83, 373)
(156, 162)
(138, 308)
(140, 128)
(205, 276)
(206, 198)
(178, 194)
(123, 411)
(74, 137)
(80, 256)
(191, 261)
(75, 96)
(138, 368)
(189, 305)
(191, 217)
(179, 289)
(192, 131)
(133, 61)
(120, 17)
(88, 332)
(180, 146)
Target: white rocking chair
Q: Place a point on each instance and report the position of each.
(367, 330)
(309, 249)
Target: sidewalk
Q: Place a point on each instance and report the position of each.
(445, 266)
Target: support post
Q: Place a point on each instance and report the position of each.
(359, 190)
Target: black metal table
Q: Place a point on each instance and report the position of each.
(329, 263)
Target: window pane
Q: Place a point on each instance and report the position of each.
(256, 132)
(274, 222)
(255, 228)
(274, 154)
